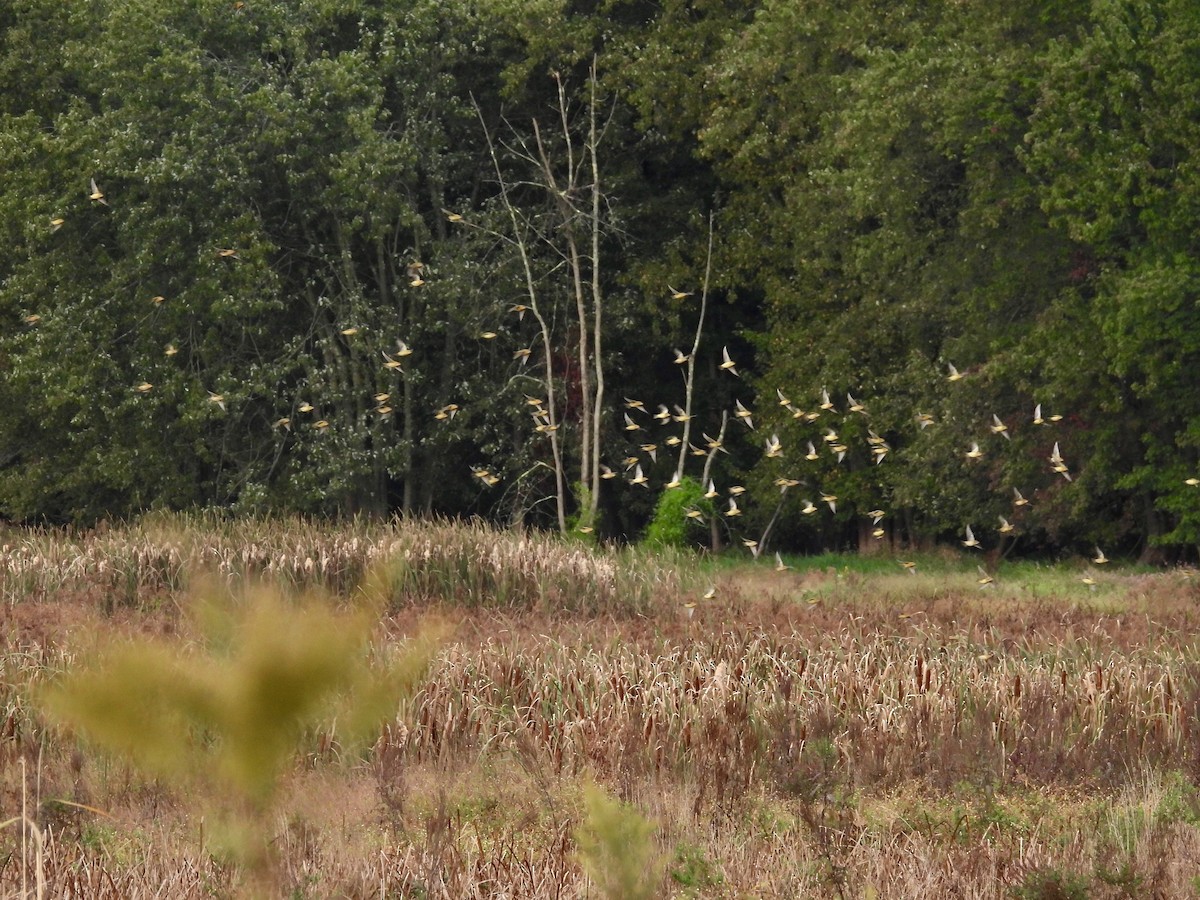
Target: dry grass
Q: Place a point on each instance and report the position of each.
(804, 734)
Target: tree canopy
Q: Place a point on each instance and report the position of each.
(454, 258)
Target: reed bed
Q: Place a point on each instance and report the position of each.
(803, 734)
(427, 561)
(803, 717)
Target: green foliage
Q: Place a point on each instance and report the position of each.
(616, 846)
(1008, 188)
(1052, 884)
(692, 871)
(670, 526)
(268, 670)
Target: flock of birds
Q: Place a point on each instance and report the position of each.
(637, 418)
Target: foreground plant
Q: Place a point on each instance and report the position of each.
(616, 846)
(228, 715)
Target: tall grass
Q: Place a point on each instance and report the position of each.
(811, 733)
(430, 561)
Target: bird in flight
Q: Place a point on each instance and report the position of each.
(726, 363)
(999, 427)
(1019, 498)
(680, 357)
(96, 195)
(742, 413)
(678, 294)
(970, 539)
(1099, 559)
(954, 375)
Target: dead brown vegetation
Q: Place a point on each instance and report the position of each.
(800, 735)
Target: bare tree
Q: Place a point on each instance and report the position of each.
(569, 174)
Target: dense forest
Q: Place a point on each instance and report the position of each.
(889, 267)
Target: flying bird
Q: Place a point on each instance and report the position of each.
(744, 414)
(999, 427)
(954, 375)
(726, 363)
(96, 195)
(970, 540)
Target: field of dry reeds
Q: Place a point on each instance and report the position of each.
(817, 732)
